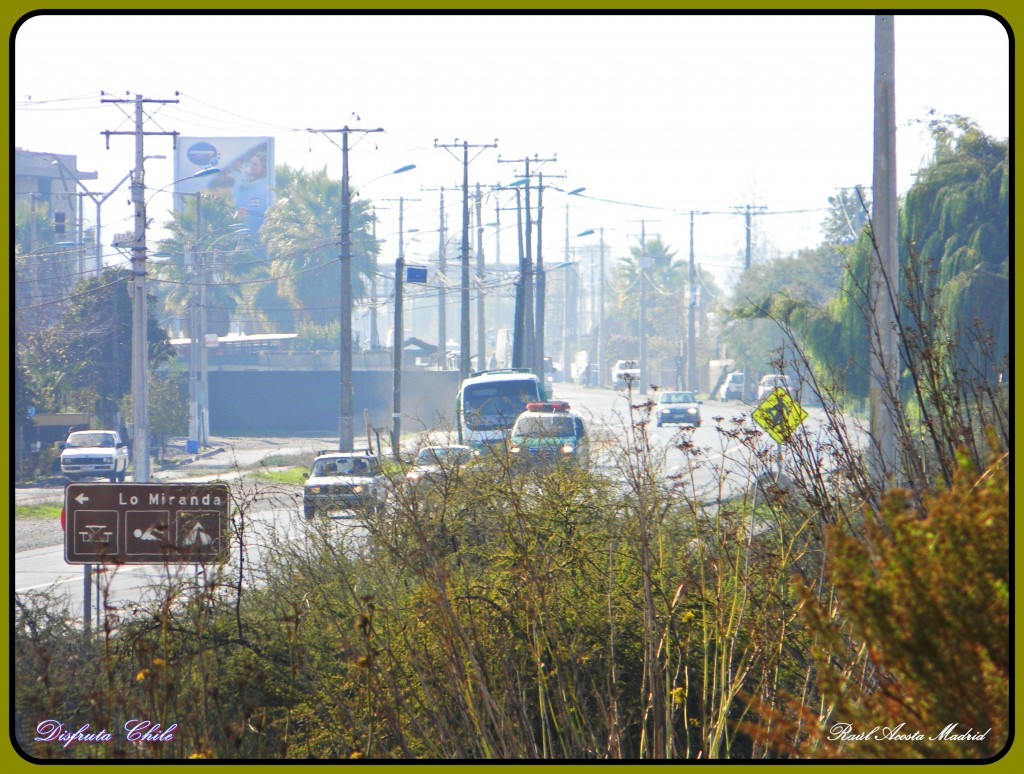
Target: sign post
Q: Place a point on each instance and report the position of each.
(146, 523)
(779, 414)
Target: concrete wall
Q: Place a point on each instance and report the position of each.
(284, 403)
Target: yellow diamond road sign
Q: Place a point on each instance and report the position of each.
(779, 414)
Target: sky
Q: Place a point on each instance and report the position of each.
(655, 115)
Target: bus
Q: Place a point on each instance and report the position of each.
(488, 403)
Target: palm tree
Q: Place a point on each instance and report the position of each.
(222, 246)
(301, 234)
(665, 293)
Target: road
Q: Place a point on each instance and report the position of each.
(274, 514)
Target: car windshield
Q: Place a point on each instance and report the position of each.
(496, 404)
(551, 426)
(85, 440)
(678, 397)
(345, 466)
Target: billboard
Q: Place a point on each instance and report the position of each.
(245, 179)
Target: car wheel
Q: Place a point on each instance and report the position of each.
(659, 423)
(309, 512)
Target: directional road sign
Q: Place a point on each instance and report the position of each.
(779, 414)
(146, 523)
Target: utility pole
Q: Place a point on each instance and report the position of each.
(883, 287)
(644, 266)
(748, 229)
(442, 289)
(140, 338)
(345, 409)
(532, 354)
(464, 353)
(519, 343)
(600, 311)
(442, 283)
(566, 301)
(539, 308)
(399, 339)
(481, 327)
(691, 336)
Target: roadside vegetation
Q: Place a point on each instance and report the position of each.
(619, 612)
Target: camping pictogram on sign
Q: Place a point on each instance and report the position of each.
(779, 414)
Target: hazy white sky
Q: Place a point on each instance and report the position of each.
(660, 114)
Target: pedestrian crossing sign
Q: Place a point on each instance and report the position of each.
(779, 414)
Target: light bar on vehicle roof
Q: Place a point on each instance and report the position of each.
(558, 405)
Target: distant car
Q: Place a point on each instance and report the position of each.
(769, 382)
(624, 373)
(732, 387)
(549, 434)
(435, 463)
(94, 454)
(342, 484)
(678, 408)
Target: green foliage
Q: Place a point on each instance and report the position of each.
(927, 596)
(313, 337)
(211, 256)
(168, 407)
(301, 237)
(82, 362)
(954, 224)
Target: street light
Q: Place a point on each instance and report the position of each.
(140, 337)
(199, 388)
(98, 200)
(600, 311)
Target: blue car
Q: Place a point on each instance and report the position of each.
(678, 408)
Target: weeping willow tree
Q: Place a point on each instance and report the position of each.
(954, 259)
(953, 304)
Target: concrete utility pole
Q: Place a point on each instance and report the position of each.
(645, 267)
(532, 353)
(539, 303)
(600, 311)
(481, 327)
(345, 408)
(884, 283)
(464, 327)
(691, 337)
(519, 343)
(140, 337)
(568, 316)
(442, 289)
(399, 340)
(748, 232)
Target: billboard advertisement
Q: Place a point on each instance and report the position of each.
(245, 179)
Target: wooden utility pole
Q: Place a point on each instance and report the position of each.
(345, 408)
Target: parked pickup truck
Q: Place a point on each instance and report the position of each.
(94, 454)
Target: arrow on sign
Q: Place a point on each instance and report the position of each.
(82, 499)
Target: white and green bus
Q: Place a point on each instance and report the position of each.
(488, 403)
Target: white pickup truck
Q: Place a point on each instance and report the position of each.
(94, 454)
